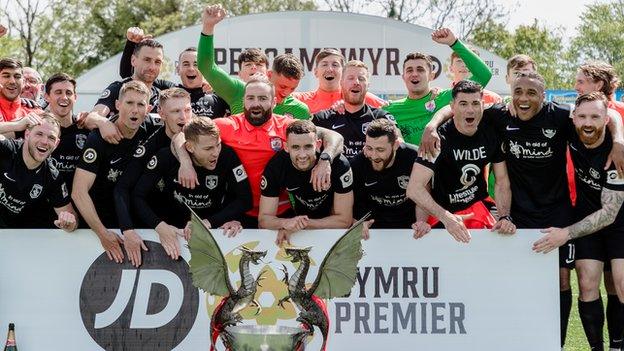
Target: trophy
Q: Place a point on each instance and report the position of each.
(336, 277)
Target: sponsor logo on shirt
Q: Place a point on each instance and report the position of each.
(35, 191)
(139, 152)
(469, 175)
(106, 93)
(263, 183)
(152, 162)
(212, 181)
(530, 150)
(276, 144)
(336, 126)
(347, 178)
(239, 173)
(370, 184)
(113, 174)
(7, 177)
(89, 156)
(613, 178)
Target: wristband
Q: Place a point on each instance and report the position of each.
(507, 217)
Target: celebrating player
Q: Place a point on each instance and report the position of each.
(290, 170)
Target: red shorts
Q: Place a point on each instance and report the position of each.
(482, 218)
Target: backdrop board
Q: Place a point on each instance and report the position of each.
(380, 42)
(63, 293)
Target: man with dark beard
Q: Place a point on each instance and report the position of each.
(203, 102)
(257, 134)
(381, 174)
(599, 230)
(290, 170)
(358, 115)
(535, 152)
(147, 60)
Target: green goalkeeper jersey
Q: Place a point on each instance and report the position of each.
(412, 115)
(232, 89)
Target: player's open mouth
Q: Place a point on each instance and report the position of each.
(355, 91)
(42, 149)
(524, 107)
(134, 119)
(330, 78)
(181, 125)
(470, 120)
(415, 82)
(589, 131)
(63, 103)
(191, 77)
(212, 163)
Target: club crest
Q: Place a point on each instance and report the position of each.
(276, 144)
(212, 181)
(549, 133)
(403, 181)
(80, 141)
(35, 191)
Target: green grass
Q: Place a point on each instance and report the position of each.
(576, 340)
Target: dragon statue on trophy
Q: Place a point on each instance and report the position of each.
(336, 277)
(210, 273)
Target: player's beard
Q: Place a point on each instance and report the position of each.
(354, 99)
(384, 162)
(257, 118)
(589, 139)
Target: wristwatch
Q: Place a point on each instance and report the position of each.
(325, 157)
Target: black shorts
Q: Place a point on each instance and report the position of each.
(602, 246)
(567, 255)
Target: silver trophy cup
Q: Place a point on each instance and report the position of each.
(265, 338)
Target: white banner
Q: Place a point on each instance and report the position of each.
(63, 293)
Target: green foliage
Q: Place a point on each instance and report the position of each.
(76, 35)
(545, 46)
(10, 47)
(600, 35)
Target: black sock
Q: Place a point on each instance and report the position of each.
(565, 305)
(592, 317)
(615, 321)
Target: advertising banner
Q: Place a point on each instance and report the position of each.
(63, 293)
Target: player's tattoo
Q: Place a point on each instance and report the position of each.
(611, 203)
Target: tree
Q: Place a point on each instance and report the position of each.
(542, 44)
(600, 35)
(461, 15)
(74, 35)
(25, 18)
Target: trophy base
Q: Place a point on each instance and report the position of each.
(266, 338)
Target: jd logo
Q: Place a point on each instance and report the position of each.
(150, 308)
